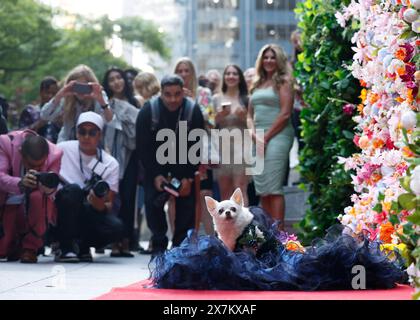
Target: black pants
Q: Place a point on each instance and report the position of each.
(156, 219)
(127, 194)
(78, 221)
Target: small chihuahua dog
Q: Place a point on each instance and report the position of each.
(241, 228)
(230, 217)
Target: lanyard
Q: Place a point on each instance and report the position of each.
(98, 156)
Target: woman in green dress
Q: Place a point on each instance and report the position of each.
(270, 109)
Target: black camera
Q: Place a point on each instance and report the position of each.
(171, 188)
(100, 187)
(50, 180)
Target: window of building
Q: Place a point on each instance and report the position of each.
(221, 32)
(266, 32)
(218, 4)
(276, 4)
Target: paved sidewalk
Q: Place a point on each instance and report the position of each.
(47, 280)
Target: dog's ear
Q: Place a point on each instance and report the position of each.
(237, 197)
(211, 204)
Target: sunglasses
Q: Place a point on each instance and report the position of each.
(91, 133)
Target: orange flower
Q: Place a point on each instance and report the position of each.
(360, 108)
(401, 71)
(376, 177)
(363, 83)
(401, 54)
(378, 143)
(294, 246)
(373, 97)
(410, 98)
(417, 43)
(400, 100)
(407, 152)
(386, 230)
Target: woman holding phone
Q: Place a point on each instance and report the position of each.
(81, 93)
(231, 113)
(120, 142)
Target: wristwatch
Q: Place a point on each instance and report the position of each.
(106, 106)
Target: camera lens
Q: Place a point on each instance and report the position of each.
(101, 189)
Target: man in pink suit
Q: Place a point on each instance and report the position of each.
(26, 205)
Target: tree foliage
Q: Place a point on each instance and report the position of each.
(32, 46)
(327, 130)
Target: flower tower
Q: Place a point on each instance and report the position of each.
(386, 170)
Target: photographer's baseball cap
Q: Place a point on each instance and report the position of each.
(91, 117)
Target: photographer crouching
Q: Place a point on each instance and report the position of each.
(84, 204)
(29, 167)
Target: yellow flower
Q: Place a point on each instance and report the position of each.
(352, 211)
(363, 95)
(386, 206)
(390, 249)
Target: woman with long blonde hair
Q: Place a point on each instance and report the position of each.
(203, 97)
(81, 93)
(184, 67)
(270, 109)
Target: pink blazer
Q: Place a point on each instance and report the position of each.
(11, 160)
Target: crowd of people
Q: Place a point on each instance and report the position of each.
(83, 162)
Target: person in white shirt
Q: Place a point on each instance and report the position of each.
(84, 204)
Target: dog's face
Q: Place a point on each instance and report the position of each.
(227, 210)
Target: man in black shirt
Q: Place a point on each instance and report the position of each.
(171, 111)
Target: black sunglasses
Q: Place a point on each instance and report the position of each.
(91, 133)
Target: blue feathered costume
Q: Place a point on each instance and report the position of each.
(204, 263)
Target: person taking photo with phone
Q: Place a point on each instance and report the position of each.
(81, 93)
(26, 201)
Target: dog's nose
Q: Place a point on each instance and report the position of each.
(227, 213)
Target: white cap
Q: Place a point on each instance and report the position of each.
(91, 117)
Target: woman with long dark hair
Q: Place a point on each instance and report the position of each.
(120, 142)
(231, 113)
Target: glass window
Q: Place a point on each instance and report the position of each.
(218, 4)
(218, 31)
(266, 32)
(276, 4)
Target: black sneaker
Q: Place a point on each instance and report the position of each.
(86, 257)
(66, 257)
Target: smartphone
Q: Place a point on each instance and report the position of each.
(226, 105)
(82, 88)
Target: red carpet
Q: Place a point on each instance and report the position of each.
(139, 291)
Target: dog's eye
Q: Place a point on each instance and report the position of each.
(233, 209)
(221, 211)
